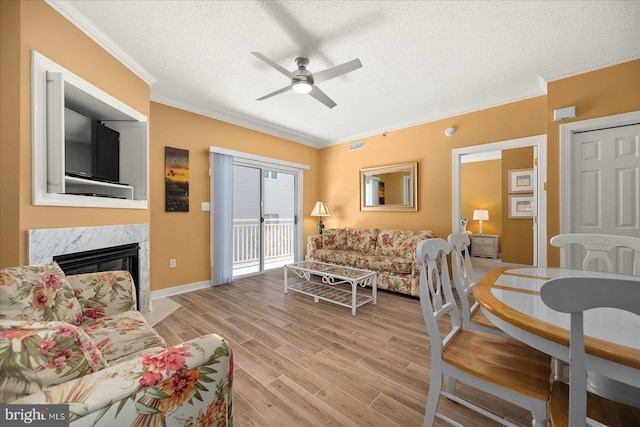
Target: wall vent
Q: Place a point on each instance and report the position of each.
(356, 146)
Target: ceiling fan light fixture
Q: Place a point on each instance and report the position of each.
(302, 87)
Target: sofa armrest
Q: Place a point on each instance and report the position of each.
(313, 244)
(190, 381)
(104, 293)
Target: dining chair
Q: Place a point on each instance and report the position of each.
(572, 405)
(598, 247)
(500, 366)
(464, 280)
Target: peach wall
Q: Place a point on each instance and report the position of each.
(605, 92)
(43, 29)
(481, 188)
(9, 131)
(426, 144)
(185, 235)
(334, 176)
(517, 244)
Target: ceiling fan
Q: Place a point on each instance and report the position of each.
(303, 81)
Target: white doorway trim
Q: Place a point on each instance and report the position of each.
(267, 162)
(539, 141)
(566, 143)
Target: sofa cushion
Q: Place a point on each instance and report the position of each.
(362, 240)
(38, 292)
(389, 264)
(400, 243)
(34, 355)
(103, 294)
(122, 334)
(337, 256)
(334, 238)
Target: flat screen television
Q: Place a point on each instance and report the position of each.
(92, 150)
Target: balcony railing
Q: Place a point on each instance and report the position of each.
(278, 244)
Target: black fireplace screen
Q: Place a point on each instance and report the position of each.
(108, 259)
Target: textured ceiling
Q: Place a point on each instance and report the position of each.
(422, 60)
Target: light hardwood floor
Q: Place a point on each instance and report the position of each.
(298, 363)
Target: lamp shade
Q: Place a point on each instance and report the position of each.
(320, 209)
(481, 215)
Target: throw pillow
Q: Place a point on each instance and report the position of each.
(362, 239)
(38, 292)
(104, 293)
(35, 355)
(334, 238)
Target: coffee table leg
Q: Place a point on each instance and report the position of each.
(374, 289)
(354, 294)
(285, 280)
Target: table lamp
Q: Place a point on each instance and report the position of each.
(320, 209)
(480, 215)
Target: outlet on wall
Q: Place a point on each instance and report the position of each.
(172, 263)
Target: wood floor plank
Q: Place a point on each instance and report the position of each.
(253, 365)
(288, 337)
(246, 415)
(397, 412)
(345, 403)
(381, 381)
(260, 334)
(298, 363)
(333, 368)
(310, 381)
(310, 406)
(267, 403)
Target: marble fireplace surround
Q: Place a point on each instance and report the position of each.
(46, 243)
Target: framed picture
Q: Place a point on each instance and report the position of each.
(521, 181)
(176, 180)
(521, 206)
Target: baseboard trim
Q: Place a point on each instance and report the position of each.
(176, 290)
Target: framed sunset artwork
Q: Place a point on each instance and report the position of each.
(176, 179)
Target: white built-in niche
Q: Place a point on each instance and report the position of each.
(64, 107)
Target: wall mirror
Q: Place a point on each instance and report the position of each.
(389, 188)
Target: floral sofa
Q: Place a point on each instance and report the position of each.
(78, 340)
(390, 253)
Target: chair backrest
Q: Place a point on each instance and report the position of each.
(436, 297)
(575, 295)
(463, 276)
(599, 247)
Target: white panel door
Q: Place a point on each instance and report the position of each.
(606, 191)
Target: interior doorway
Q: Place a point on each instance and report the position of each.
(540, 203)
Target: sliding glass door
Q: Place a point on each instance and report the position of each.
(264, 219)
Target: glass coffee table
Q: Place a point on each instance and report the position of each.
(320, 280)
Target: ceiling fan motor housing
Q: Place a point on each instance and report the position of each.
(302, 74)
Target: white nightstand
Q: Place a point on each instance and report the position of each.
(485, 245)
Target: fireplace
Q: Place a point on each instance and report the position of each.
(48, 244)
(123, 257)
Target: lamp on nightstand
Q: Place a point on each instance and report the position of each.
(320, 209)
(480, 215)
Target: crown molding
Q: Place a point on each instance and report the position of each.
(244, 121)
(73, 15)
(608, 61)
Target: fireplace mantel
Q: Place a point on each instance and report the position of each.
(44, 244)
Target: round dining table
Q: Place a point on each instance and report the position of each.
(510, 298)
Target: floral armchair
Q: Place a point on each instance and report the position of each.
(78, 340)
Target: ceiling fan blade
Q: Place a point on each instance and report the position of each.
(277, 92)
(338, 70)
(273, 64)
(322, 97)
